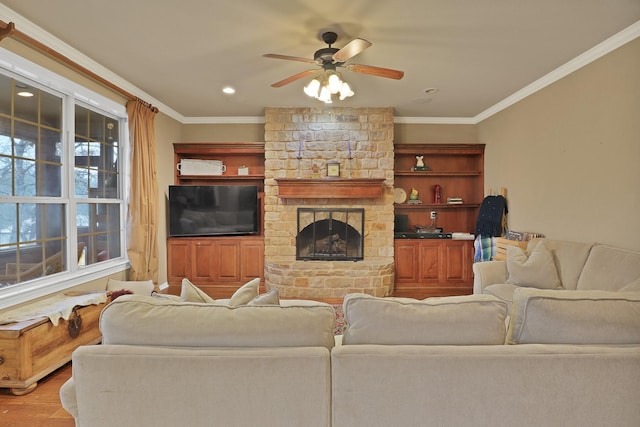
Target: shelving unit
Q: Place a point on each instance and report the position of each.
(218, 265)
(438, 267)
(457, 168)
(232, 155)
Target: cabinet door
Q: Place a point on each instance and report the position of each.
(227, 260)
(202, 264)
(178, 260)
(251, 260)
(406, 262)
(430, 260)
(459, 257)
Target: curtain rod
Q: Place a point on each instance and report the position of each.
(9, 30)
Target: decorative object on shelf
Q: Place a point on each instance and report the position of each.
(315, 171)
(399, 195)
(243, 170)
(413, 197)
(437, 194)
(454, 200)
(333, 169)
(420, 166)
(299, 157)
(201, 167)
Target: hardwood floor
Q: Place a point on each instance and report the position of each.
(40, 408)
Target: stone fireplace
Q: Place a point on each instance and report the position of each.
(299, 142)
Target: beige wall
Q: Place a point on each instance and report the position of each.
(569, 155)
(407, 133)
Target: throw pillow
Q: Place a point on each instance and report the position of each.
(191, 293)
(245, 293)
(536, 271)
(270, 298)
(138, 287)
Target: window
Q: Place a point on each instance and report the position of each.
(61, 199)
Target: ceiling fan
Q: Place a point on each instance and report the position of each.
(329, 58)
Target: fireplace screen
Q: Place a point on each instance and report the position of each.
(330, 234)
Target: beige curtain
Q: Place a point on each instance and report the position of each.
(142, 215)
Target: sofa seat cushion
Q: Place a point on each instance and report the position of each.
(140, 320)
(574, 317)
(609, 269)
(460, 320)
(538, 270)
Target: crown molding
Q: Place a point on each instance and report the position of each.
(224, 120)
(612, 43)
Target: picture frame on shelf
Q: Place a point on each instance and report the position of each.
(333, 169)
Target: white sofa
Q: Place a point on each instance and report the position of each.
(442, 362)
(561, 265)
(401, 362)
(172, 363)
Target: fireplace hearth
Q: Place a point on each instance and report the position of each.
(330, 234)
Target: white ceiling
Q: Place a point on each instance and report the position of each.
(179, 54)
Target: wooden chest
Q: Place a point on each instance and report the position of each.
(32, 349)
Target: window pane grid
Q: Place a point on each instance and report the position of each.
(35, 213)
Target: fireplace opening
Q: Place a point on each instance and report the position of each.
(330, 234)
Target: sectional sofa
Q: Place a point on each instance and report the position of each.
(559, 265)
(453, 361)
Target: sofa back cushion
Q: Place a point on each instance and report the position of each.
(609, 269)
(141, 320)
(463, 320)
(569, 258)
(541, 316)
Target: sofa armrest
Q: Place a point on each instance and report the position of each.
(68, 397)
(488, 273)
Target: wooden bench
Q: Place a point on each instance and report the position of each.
(32, 349)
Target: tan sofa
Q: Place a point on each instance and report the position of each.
(441, 362)
(171, 363)
(451, 361)
(561, 265)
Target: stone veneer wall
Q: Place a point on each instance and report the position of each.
(319, 135)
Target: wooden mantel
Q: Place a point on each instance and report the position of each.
(329, 188)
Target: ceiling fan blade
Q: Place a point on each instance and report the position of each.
(289, 58)
(350, 50)
(375, 71)
(294, 78)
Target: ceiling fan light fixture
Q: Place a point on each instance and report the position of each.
(345, 91)
(326, 85)
(325, 95)
(312, 88)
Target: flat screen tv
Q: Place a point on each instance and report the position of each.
(213, 210)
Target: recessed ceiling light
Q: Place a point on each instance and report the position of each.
(228, 90)
(25, 94)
